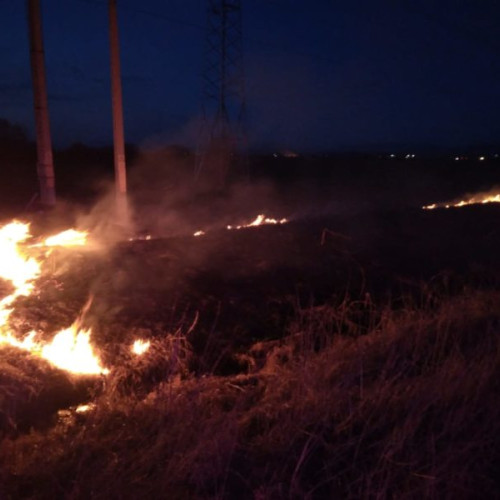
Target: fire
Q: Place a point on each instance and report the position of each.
(70, 237)
(85, 408)
(480, 198)
(146, 237)
(70, 349)
(15, 266)
(259, 221)
(140, 346)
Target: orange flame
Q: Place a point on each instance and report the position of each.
(259, 221)
(140, 346)
(16, 266)
(477, 199)
(68, 238)
(70, 349)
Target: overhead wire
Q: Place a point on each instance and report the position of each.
(202, 28)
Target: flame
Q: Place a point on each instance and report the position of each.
(477, 199)
(140, 346)
(146, 237)
(85, 408)
(259, 221)
(70, 237)
(16, 266)
(70, 349)
(27, 343)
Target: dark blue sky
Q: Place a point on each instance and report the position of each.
(320, 74)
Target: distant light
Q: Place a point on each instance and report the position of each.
(275, 155)
(199, 233)
(482, 158)
(393, 155)
(457, 158)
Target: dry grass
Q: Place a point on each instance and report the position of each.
(354, 402)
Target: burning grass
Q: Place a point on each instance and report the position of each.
(70, 348)
(388, 404)
(483, 198)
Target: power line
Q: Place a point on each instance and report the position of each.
(183, 22)
(148, 13)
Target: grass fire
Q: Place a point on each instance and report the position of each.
(252, 251)
(70, 348)
(271, 361)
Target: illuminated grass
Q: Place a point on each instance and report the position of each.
(395, 404)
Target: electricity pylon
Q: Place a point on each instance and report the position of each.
(222, 139)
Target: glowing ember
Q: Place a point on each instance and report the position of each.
(140, 346)
(67, 238)
(146, 237)
(85, 408)
(259, 221)
(480, 198)
(199, 233)
(70, 349)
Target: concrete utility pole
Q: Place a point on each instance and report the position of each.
(45, 164)
(116, 97)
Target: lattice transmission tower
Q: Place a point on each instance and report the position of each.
(222, 142)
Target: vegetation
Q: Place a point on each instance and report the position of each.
(355, 401)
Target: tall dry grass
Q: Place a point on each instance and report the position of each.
(356, 401)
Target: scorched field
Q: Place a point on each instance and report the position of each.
(347, 356)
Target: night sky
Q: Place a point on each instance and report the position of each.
(320, 75)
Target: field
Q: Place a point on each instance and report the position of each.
(351, 352)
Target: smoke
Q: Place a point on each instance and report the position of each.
(110, 220)
(185, 136)
(170, 200)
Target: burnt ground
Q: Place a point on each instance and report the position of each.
(230, 289)
(356, 233)
(217, 295)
